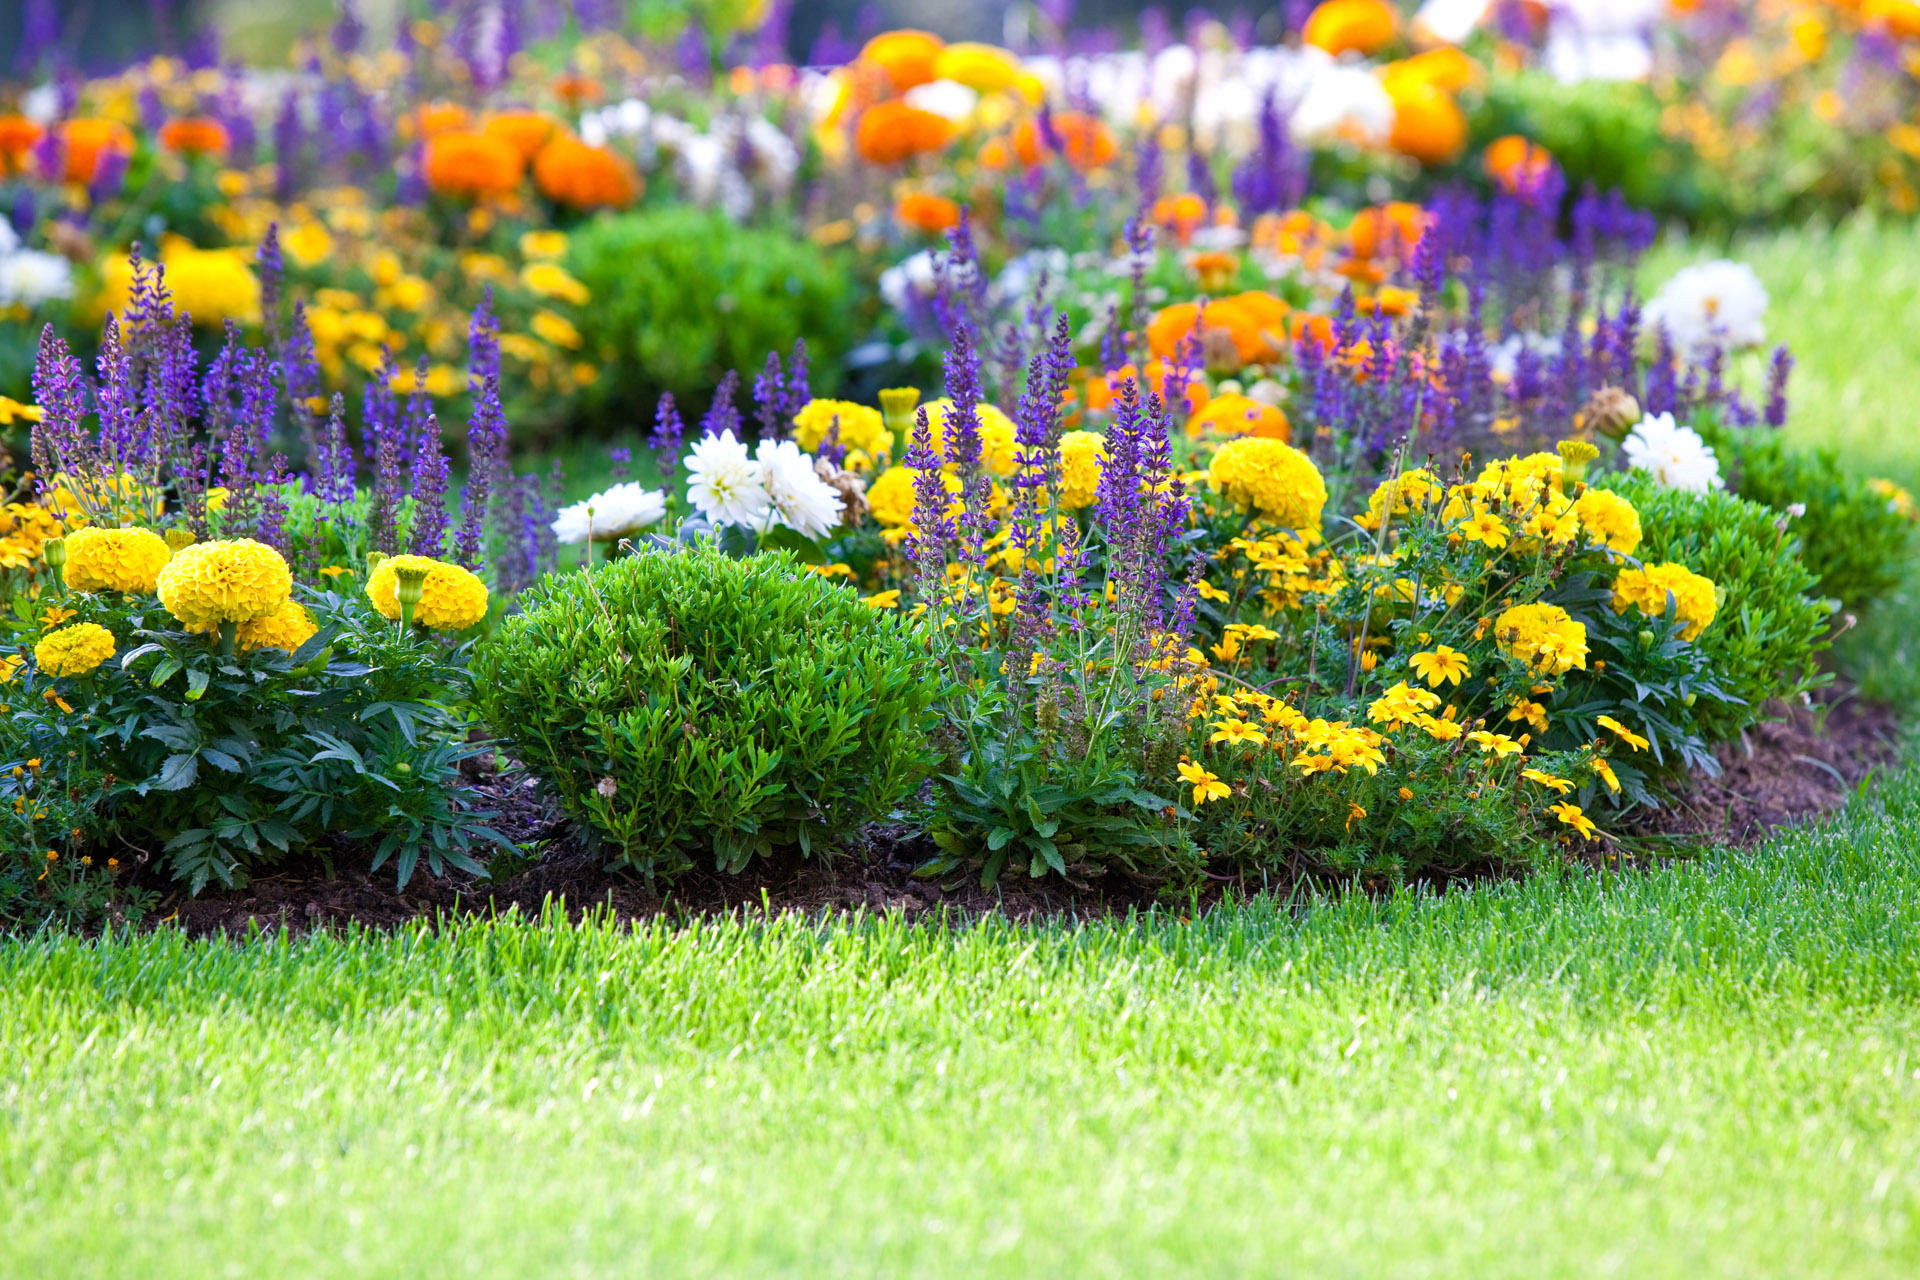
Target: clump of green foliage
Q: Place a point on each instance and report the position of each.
(1772, 621)
(681, 700)
(681, 296)
(1852, 538)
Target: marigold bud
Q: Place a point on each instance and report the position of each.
(1611, 412)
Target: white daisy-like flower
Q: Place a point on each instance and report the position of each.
(1715, 304)
(948, 99)
(796, 495)
(725, 482)
(1676, 456)
(617, 513)
(29, 277)
(1343, 104)
(1450, 21)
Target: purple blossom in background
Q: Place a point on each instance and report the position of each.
(289, 136)
(1200, 180)
(620, 466)
(769, 399)
(1778, 371)
(430, 478)
(147, 105)
(668, 431)
(933, 525)
(109, 174)
(39, 34)
(723, 415)
(486, 433)
(271, 270)
(799, 379)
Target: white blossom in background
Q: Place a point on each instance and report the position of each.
(796, 495)
(1715, 304)
(720, 166)
(1676, 456)
(948, 99)
(1601, 39)
(1450, 21)
(1503, 357)
(725, 483)
(1343, 103)
(617, 513)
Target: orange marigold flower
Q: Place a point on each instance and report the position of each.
(1085, 141)
(434, 118)
(1444, 68)
(1247, 327)
(17, 136)
(890, 132)
(83, 142)
(1388, 230)
(907, 56)
(1182, 214)
(1357, 26)
(1427, 123)
(463, 163)
(1513, 162)
(574, 174)
(1241, 415)
(195, 136)
(524, 131)
(573, 88)
(930, 213)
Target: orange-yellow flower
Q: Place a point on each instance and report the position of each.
(1356, 26)
(1514, 162)
(1084, 140)
(905, 57)
(460, 162)
(891, 132)
(83, 142)
(17, 136)
(927, 212)
(195, 136)
(570, 172)
(524, 131)
(1573, 817)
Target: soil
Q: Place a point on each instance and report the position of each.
(1808, 760)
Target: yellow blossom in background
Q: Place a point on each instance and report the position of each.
(308, 244)
(550, 280)
(862, 429)
(1559, 786)
(883, 599)
(12, 410)
(1543, 636)
(1206, 786)
(1082, 455)
(74, 651)
(1497, 745)
(211, 285)
(1899, 501)
(543, 244)
(997, 445)
(557, 329)
(1573, 817)
(1272, 479)
(1236, 733)
(1604, 771)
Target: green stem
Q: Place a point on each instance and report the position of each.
(228, 631)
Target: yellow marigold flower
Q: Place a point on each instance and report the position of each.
(115, 559)
(1402, 704)
(1440, 729)
(287, 629)
(885, 600)
(1272, 479)
(1236, 732)
(1609, 519)
(307, 243)
(550, 280)
(1406, 493)
(1082, 455)
(1498, 745)
(75, 650)
(1559, 786)
(1604, 771)
(861, 428)
(543, 244)
(1543, 636)
(1649, 590)
(1485, 528)
(890, 496)
(1205, 785)
(557, 329)
(231, 580)
(451, 598)
(11, 409)
(1626, 735)
(1573, 817)
(1441, 665)
(10, 665)
(212, 285)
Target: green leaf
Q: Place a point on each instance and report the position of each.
(165, 670)
(177, 772)
(196, 684)
(804, 549)
(999, 837)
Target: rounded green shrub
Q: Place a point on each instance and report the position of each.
(1771, 621)
(681, 700)
(1853, 541)
(681, 296)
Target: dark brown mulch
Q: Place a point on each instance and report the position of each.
(1808, 761)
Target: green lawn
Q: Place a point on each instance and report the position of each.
(1712, 1071)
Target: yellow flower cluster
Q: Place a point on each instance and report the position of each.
(863, 432)
(287, 628)
(232, 580)
(1082, 454)
(1408, 492)
(1272, 479)
(75, 650)
(1899, 501)
(1314, 745)
(211, 285)
(1609, 520)
(115, 559)
(1543, 636)
(451, 598)
(25, 528)
(1648, 590)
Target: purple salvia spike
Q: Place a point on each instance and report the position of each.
(668, 431)
(933, 526)
(769, 397)
(799, 379)
(1778, 371)
(723, 415)
(429, 494)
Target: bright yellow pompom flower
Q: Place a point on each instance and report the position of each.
(73, 651)
(451, 598)
(115, 559)
(1609, 519)
(1082, 455)
(231, 580)
(1544, 636)
(288, 629)
(862, 429)
(1648, 590)
(1272, 479)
